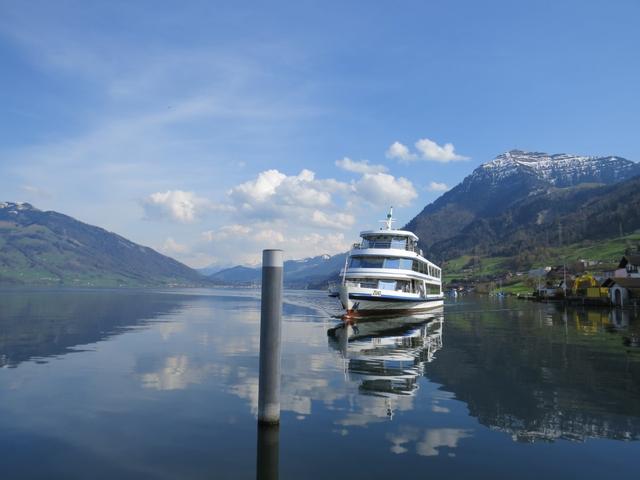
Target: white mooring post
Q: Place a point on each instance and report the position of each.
(270, 341)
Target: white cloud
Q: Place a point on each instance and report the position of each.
(177, 205)
(400, 151)
(362, 166)
(276, 210)
(269, 237)
(227, 231)
(273, 189)
(437, 187)
(430, 150)
(171, 247)
(35, 192)
(382, 189)
(314, 244)
(332, 220)
(297, 242)
(260, 189)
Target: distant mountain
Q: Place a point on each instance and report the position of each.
(313, 271)
(514, 206)
(213, 268)
(49, 248)
(568, 215)
(238, 275)
(508, 188)
(310, 272)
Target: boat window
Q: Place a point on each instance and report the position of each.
(385, 241)
(387, 262)
(392, 263)
(387, 284)
(405, 263)
(366, 262)
(399, 243)
(433, 289)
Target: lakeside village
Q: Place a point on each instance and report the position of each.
(583, 282)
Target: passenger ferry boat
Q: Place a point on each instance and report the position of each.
(387, 274)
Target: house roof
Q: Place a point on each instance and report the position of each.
(633, 259)
(603, 267)
(629, 283)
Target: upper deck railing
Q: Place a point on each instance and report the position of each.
(395, 245)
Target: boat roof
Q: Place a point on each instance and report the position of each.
(387, 229)
(384, 231)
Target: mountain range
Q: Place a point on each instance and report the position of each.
(306, 273)
(516, 205)
(49, 248)
(521, 200)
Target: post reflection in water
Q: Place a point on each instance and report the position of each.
(267, 461)
(388, 355)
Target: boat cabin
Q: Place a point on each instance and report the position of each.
(398, 240)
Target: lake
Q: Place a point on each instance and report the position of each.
(164, 384)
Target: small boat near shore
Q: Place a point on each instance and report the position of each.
(387, 273)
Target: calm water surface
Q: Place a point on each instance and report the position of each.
(152, 384)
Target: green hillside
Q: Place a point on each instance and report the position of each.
(485, 268)
(48, 248)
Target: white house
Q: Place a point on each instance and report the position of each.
(623, 291)
(629, 267)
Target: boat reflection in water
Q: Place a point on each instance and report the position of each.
(388, 355)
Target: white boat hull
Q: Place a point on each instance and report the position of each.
(358, 302)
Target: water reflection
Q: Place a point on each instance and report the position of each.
(427, 444)
(268, 450)
(41, 324)
(392, 388)
(569, 374)
(542, 373)
(387, 356)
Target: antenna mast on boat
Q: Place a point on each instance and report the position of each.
(389, 221)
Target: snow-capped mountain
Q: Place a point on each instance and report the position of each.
(497, 185)
(13, 208)
(559, 170)
(517, 195)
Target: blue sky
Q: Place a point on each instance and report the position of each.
(211, 130)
